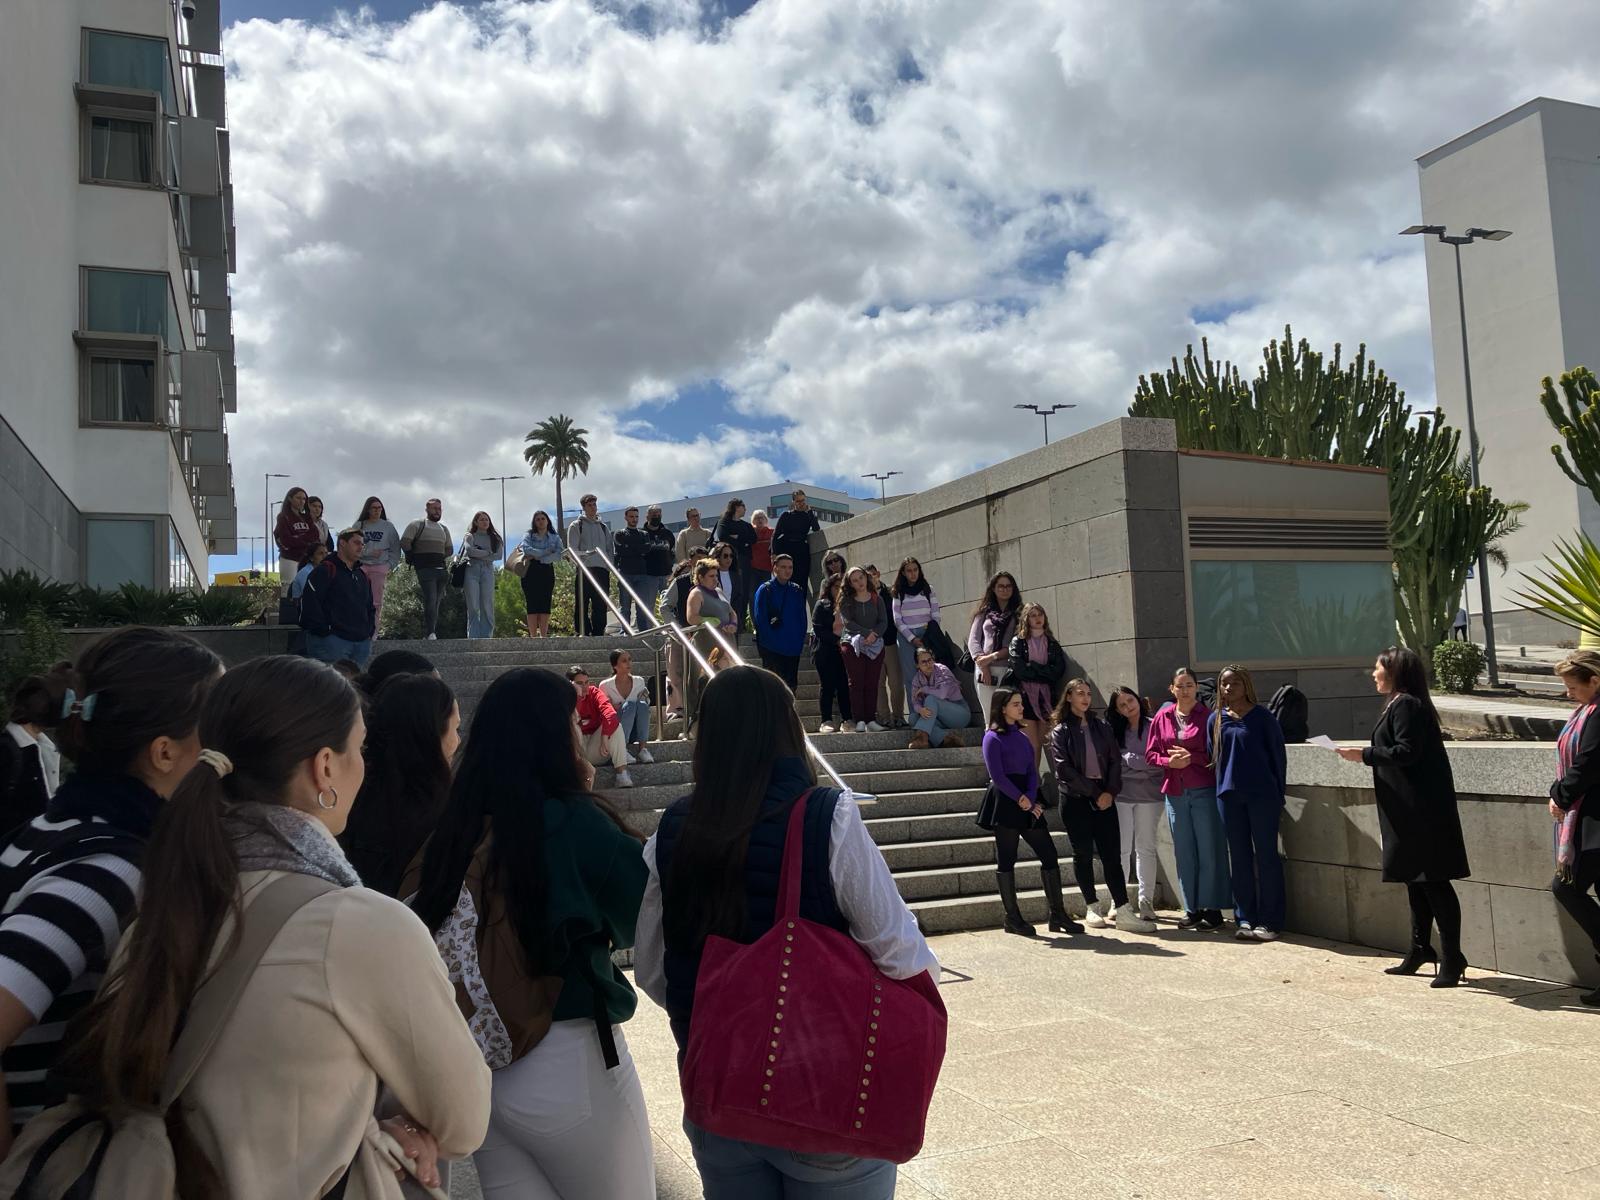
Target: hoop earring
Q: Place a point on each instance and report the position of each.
(334, 803)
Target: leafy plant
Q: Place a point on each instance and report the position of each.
(1576, 417)
(225, 606)
(1457, 665)
(1567, 587)
(22, 592)
(558, 446)
(37, 645)
(134, 604)
(402, 608)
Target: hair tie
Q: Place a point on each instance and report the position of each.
(83, 709)
(218, 762)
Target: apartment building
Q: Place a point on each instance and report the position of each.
(116, 329)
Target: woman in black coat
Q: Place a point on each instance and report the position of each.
(1038, 664)
(1575, 800)
(1417, 817)
(791, 535)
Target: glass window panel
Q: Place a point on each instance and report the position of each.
(120, 552)
(121, 150)
(119, 60)
(122, 389)
(1265, 611)
(129, 302)
(180, 572)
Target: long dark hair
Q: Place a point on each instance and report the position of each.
(407, 782)
(997, 708)
(136, 685)
(286, 510)
(747, 722)
(366, 512)
(990, 604)
(496, 787)
(903, 587)
(727, 513)
(1408, 676)
(37, 698)
(1118, 722)
(268, 716)
(1063, 713)
(533, 523)
(494, 534)
(390, 663)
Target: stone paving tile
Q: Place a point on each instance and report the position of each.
(1037, 1169)
(1233, 1170)
(1521, 1129)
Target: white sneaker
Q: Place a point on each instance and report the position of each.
(1095, 916)
(1245, 932)
(826, 727)
(624, 779)
(1130, 921)
(433, 637)
(632, 757)
(874, 727)
(1263, 934)
(861, 726)
(1147, 910)
(645, 756)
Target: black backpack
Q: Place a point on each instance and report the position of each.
(1293, 710)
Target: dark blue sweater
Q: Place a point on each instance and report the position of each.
(1251, 761)
(337, 600)
(785, 602)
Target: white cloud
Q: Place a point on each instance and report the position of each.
(452, 227)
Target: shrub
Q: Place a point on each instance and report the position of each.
(226, 606)
(1457, 665)
(402, 608)
(38, 644)
(135, 604)
(22, 592)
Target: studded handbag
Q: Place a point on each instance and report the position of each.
(798, 1041)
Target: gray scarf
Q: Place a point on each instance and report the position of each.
(274, 837)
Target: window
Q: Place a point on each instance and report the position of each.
(122, 390)
(121, 60)
(1268, 610)
(121, 150)
(180, 571)
(119, 551)
(130, 302)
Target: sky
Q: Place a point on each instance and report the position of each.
(742, 241)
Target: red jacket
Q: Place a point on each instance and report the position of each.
(296, 536)
(761, 552)
(595, 712)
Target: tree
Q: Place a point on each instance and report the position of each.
(558, 446)
(1578, 424)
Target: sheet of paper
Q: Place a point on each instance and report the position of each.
(1323, 740)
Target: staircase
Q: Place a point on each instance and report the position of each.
(921, 816)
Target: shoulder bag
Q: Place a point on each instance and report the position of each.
(799, 1042)
(517, 564)
(458, 568)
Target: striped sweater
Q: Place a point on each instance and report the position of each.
(71, 879)
(915, 613)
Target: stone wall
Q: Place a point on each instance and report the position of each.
(1510, 921)
(43, 529)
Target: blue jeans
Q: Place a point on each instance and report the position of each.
(635, 715)
(330, 649)
(479, 590)
(947, 715)
(645, 585)
(1258, 887)
(731, 1170)
(1201, 849)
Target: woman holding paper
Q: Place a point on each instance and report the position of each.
(1417, 817)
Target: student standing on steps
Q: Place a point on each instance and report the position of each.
(1012, 809)
(779, 616)
(994, 624)
(541, 546)
(630, 547)
(792, 536)
(1088, 766)
(833, 685)
(427, 546)
(658, 558)
(761, 553)
(295, 534)
(1246, 743)
(1177, 744)
(914, 608)
(336, 607)
(692, 538)
(1038, 665)
(892, 685)
(314, 509)
(482, 548)
(1139, 801)
(739, 535)
(862, 618)
(380, 548)
(589, 536)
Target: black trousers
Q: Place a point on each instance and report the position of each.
(831, 681)
(1038, 839)
(785, 666)
(1436, 902)
(430, 587)
(588, 605)
(1577, 897)
(1095, 831)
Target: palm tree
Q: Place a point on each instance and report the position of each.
(558, 446)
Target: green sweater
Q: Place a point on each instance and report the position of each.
(597, 878)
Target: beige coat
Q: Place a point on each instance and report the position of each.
(351, 994)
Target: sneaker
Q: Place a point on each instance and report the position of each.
(645, 756)
(433, 637)
(624, 780)
(861, 726)
(1245, 933)
(1263, 934)
(1130, 921)
(1095, 915)
(873, 727)
(1192, 920)
(632, 757)
(1211, 920)
(1147, 910)
(827, 727)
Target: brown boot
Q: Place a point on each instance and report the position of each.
(919, 741)
(952, 741)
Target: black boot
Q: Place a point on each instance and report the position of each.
(1412, 962)
(1059, 921)
(1446, 909)
(1451, 971)
(1008, 897)
(1421, 934)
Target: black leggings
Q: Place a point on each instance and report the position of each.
(1038, 839)
(832, 684)
(1095, 831)
(1577, 897)
(1435, 902)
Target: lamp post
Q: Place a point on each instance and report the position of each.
(505, 545)
(1455, 242)
(883, 478)
(1046, 413)
(266, 507)
(253, 541)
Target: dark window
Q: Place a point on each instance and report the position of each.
(121, 150)
(122, 390)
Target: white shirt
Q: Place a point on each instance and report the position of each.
(49, 756)
(614, 694)
(863, 888)
(727, 585)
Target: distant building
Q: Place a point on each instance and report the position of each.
(1533, 309)
(830, 506)
(116, 325)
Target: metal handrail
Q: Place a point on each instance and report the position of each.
(605, 596)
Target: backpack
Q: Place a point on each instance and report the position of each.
(1293, 711)
(72, 1152)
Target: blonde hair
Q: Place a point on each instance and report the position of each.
(1585, 664)
(1025, 621)
(704, 565)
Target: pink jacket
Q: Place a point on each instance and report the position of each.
(1164, 736)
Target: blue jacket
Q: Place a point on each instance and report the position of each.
(338, 600)
(1251, 760)
(784, 603)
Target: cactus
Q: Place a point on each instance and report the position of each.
(1578, 424)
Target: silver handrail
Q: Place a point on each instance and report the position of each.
(605, 596)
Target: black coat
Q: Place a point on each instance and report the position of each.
(1065, 750)
(1417, 815)
(629, 546)
(1583, 779)
(739, 534)
(660, 544)
(1052, 671)
(791, 535)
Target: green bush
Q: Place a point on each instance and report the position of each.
(402, 608)
(37, 645)
(1457, 665)
(226, 606)
(22, 592)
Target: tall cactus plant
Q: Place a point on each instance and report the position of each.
(1576, 417)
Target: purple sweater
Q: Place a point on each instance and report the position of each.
(1007, 754)
(943, 685)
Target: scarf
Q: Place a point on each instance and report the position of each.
(275, 837)
(1040, 694)
(994, 623)
(1566, 749)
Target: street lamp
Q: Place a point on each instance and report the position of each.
(505, 546)
(253, 541)
(1046, 413)
(883, 479)
(266, 507)
(1455, 242)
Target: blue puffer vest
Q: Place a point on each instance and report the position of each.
(763, 863)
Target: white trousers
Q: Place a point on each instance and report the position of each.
(598, 748)
(1137, 824)
(562, 1127)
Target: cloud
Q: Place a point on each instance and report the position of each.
(879, 225)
